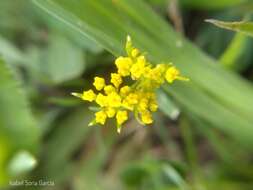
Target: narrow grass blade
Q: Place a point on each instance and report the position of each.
(243, 26)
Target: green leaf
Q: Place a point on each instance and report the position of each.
(17, 125)
(63, 60)
(10, 52)
(230, 58)
(174, 176)
(147, 173)
(214, 4)
(16, 119)
(213, 94)
(60, 28)
(243, 26)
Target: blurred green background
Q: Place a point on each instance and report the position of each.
(202, 137)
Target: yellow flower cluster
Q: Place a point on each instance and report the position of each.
(118, 100)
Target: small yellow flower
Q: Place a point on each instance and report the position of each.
(138, 68)
(114, 100)
(172, 74)
(100, 117)
(130, 101)
(127, 105)
(148, 72)
(132, 98)
(89, 95)
(121, 117)
(143, 105)
(99, 83)
(153, 106)
(101, 100)
(161, 67)
(116, 79)
(110, 112)
(124, 64)
(125, 90)
(157, 74)
(146, 117)
(109, 89)
(141, 60)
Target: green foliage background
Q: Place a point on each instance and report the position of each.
(203, 134)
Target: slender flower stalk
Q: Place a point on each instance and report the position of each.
(118, 99)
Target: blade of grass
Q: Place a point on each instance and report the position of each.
(215, 4)
(230, 58)
(243, 26)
